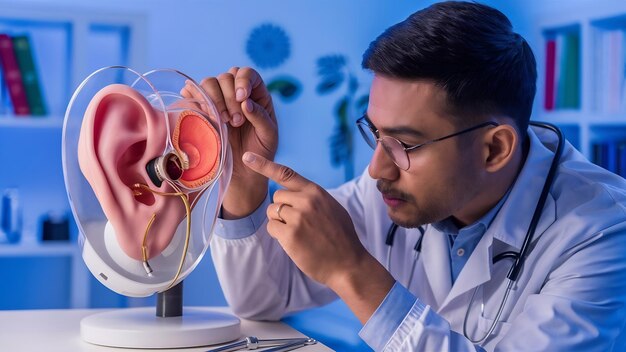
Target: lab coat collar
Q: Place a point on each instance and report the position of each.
(477, 269)
(436, 259)
(512, 221)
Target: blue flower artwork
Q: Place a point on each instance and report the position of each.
(268, 46)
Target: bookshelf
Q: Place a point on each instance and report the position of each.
(68, 43)
(581, 57)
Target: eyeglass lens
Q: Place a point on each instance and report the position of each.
(392, 146)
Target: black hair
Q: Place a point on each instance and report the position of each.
(468, 49)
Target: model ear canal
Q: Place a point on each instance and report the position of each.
(166, 167)
(199, 145)
(173, 167)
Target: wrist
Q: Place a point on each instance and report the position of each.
(363, 287)
(239, 201)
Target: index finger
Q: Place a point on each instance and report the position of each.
(283, 175)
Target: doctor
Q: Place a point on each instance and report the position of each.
(455, 159)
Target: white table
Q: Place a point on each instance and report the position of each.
(59, 330)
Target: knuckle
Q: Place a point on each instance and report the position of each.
(307, 204)
(208, 81)
(313, 189)
(249, 74)
(278, 194)
(225, 76)
(245, 70)
(285, 173)
(252, 106)
(297, 217)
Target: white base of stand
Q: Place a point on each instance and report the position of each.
(141, 328)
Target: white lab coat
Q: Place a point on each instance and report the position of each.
(571, 294)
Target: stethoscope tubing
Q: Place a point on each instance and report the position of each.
(417, 249)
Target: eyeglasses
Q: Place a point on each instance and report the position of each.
(399, 151)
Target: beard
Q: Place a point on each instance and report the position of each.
(410, 215)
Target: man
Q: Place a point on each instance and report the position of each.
(454, 159)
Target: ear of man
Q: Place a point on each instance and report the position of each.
(501, 145)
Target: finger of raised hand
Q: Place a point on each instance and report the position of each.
(249, 84)
(227, 85)
(264, 125)
(212, 88)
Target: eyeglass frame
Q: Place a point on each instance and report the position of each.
(365, 121)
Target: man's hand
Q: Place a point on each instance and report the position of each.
(318, 235)
(242, 99)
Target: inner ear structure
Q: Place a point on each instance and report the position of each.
(199, 146)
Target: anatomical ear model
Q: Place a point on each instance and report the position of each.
(144, 158)
(120, 152)
(146, 163)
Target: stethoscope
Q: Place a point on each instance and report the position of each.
(517, 257)
(417, 249)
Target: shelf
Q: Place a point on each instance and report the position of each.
(607, 122)
(66, 248)
(569, 116)
(31, 121)
(578, 117)
(603, 131)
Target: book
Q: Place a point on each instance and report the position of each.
(599, 154)
(24, 55)
(601, 54)
(550, 74)
(612, 159)
(13, 76)
(621, 158)
(568, 83)
(4, 104)
(611, 72)
(609, 155)
(614, 75)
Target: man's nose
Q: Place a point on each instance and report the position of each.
(382, 166)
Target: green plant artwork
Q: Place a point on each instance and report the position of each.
(335, 75)
(286, 87)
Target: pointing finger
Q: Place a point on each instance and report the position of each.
(281, 174)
